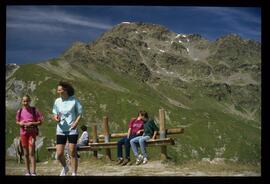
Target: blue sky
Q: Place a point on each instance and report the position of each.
(38, 33)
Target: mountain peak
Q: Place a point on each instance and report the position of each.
(139, 26)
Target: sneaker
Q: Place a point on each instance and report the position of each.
(125, 161)
(139, 159)
(33, 174)
(64, 171)
(120, 160)
(27, 174)
(145, 160)
(74, 174)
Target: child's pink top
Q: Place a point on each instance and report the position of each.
(26, 116)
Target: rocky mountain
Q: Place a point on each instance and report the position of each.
(213, 89)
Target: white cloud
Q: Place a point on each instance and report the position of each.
(44, 18)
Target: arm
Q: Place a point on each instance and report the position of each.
(39, 118)
(129, 131)
(56, 114)
(140, 131)
(130, 126)
(76, 122)
(56, 117)
(154, 135)
(34, 123)
(20, 123)
(78, 110)
(156, 129)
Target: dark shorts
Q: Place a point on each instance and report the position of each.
(62, 139)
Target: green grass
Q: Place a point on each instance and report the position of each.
(204, 122)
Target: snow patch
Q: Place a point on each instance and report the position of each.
(161, 50)
(125, 22)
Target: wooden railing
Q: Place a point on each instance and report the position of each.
(102, 141)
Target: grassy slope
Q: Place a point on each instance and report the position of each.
(207, 127)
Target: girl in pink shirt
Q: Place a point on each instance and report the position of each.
(28, 118)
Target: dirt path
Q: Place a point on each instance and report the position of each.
(152, 168)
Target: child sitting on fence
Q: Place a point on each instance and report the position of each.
(150, 132)
(135, 128)
(83, 140)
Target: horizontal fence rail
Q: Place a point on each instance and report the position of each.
(103, 141)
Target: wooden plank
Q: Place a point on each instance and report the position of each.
(168, 132)
(97, 146)
(87, 148)
(94, 128)
(107, 136)
(114, 135)
(174, 131)
(156, 142)
(53, 148)
(82, 148)
(162, 133)
(160, 142)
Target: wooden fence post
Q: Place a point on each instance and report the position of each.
(106, 136)
(95, 140)
(162, 133)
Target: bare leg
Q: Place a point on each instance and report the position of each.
(73, 155)
(32, 155)
(60, 154)
(26, 155)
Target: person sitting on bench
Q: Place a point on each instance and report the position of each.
(135, 128)
(150, 131)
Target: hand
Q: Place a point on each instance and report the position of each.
(56, 118)
(138, 132)
(21, 123)
(73, 126)
(28, 124)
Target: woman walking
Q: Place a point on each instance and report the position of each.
(67, 112)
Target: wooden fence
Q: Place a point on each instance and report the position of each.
(102, 141)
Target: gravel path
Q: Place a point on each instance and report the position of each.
(101, 168)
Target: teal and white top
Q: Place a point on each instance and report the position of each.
(68, 110)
